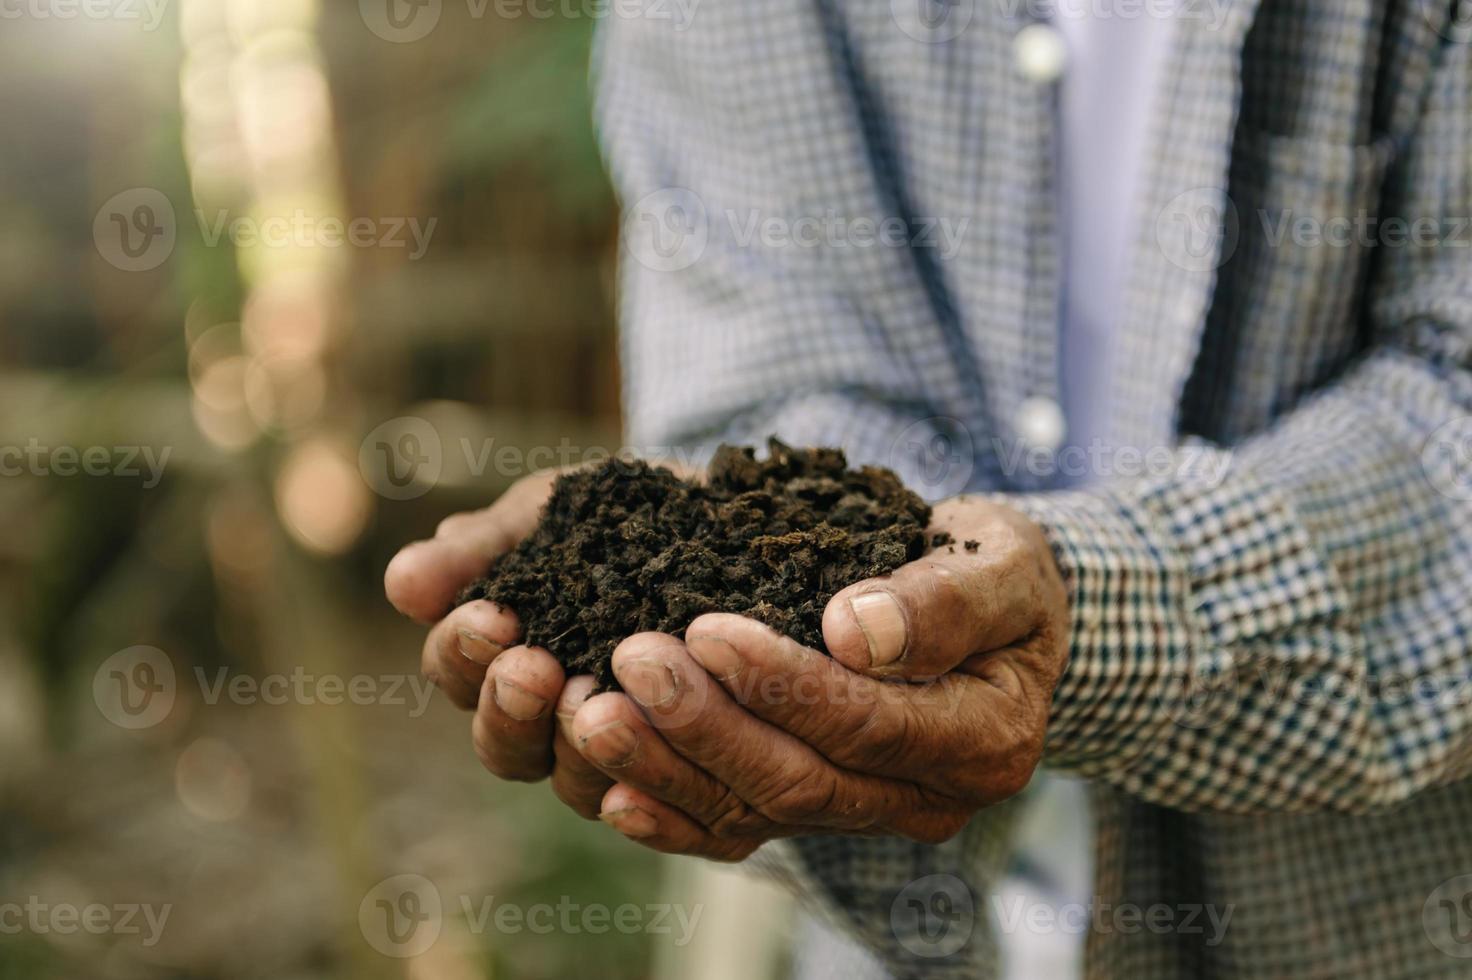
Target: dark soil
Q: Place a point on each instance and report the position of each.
(627, 547)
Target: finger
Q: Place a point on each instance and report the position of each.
(423, 579)
(642, 818)
(613, 734)
(512, 728)
(887, 728)
(460, 647)
(575, 780)
(934, 614)
(773, 776)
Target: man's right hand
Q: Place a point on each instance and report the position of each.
(522, 701)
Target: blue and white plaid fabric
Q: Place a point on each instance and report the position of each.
(840, 227)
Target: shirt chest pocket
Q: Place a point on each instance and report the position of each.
(1286, 313)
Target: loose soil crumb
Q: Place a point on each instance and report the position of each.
(628, 547)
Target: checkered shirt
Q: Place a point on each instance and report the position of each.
(1270, 683)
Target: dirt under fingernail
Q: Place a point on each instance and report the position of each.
(626, 548)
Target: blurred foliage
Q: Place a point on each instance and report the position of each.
(502, 331)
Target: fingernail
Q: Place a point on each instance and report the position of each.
(517, 701)
(612, 745)
(652, 683)
(477, 648)
(715, 654)
(631, 822)
(883, 623)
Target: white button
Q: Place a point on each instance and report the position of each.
(1041, 424)
(1040, 53)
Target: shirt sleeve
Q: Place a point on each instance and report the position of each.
(1285, 625)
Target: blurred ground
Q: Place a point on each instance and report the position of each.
(248, 248)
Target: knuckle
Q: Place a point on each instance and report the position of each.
(889, 737)
(456, 524)
(731, 817)
(803, 803)
(950, 589)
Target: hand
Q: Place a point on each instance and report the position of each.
(472, 652)
(934, 704)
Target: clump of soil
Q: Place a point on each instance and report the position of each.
(628, 547)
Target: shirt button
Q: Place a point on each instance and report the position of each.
(1040, 423)
(1039, 52)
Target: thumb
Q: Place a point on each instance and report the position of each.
(929, 617)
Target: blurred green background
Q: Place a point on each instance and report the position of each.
(244, 245)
